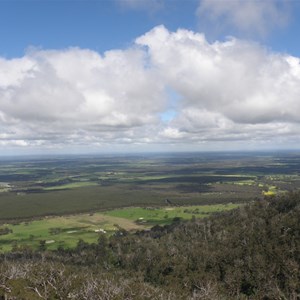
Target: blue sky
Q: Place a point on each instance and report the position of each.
(98, 25)
(108, 24)
(158, 75)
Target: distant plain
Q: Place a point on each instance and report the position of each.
(60, 200)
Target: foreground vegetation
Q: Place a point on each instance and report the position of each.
(252, 252)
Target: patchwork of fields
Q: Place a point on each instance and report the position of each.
(133, 192)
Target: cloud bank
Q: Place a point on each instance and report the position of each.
(229, 94)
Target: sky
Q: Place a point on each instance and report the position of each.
(98, 76)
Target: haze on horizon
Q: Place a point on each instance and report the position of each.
(142, 75)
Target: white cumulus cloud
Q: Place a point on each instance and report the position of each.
(235, 92)
(238, 79)
(226, 87)
(48, 94)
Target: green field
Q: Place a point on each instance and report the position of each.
(65, 231)
(61, 231)
(72, 185)
(152, 216)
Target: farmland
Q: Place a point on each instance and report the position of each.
(45, 198)
(65, 231)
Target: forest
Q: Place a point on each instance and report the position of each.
(251, 252)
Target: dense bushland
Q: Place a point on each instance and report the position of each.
(248, 253)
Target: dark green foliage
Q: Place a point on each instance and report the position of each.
(42, 246)
(55, 230)
(249, 253)
(5, 230)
